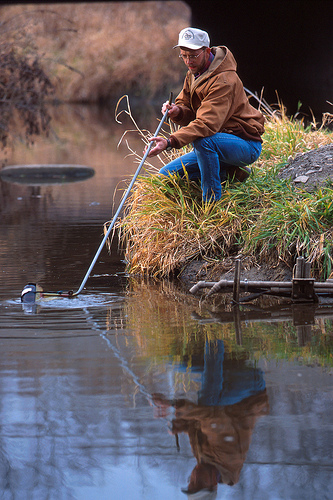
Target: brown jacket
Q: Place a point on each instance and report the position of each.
(216, 102)
(221, 436)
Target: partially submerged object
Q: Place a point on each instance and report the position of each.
(36, 175)
(31, 293)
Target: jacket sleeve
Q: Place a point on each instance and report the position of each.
(214, 108)
(183, 100)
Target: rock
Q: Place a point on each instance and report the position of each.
(301, 178)
(314, 168)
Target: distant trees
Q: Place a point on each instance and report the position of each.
(84, 53)
(25, 87)
(98, 51)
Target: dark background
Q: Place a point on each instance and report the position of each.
(283, 47)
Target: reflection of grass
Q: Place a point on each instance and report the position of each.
(282, 343)
(166, 328)
(167, 223)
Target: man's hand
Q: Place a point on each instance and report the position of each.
(160, 146)
(173, 109)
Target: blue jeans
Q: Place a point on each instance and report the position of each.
(210, 159)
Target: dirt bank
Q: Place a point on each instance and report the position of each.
(309, 170)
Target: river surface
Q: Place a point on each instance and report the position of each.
(130, 389)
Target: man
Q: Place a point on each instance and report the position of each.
(231, 399)
(215, 116)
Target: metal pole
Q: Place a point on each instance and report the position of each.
(121, 205)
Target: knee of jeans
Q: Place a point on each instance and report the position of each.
(202, 142)
(256, 153)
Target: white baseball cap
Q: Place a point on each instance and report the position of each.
(193, 38)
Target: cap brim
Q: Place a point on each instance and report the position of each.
(189, 46)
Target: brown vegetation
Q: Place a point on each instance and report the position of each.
(24, 85)
(112, 47)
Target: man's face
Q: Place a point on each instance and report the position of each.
(195, 60)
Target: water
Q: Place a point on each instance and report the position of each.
(117, 392)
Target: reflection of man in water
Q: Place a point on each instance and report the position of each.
(220, 426)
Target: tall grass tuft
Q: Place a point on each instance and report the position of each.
(166, 223)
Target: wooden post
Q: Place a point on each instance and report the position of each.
(302, 284)
(299, 267)
(238, 327)
(303, 334)
(235, 296)
(307, 269)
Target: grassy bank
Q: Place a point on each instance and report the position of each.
(265, 219)
(96, 51)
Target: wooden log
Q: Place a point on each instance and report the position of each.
(302, 315)
(251, 286)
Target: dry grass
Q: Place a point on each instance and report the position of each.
(167, 225)
(285, 137)
(113, 47)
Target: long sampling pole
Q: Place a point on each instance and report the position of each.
(70, 293)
